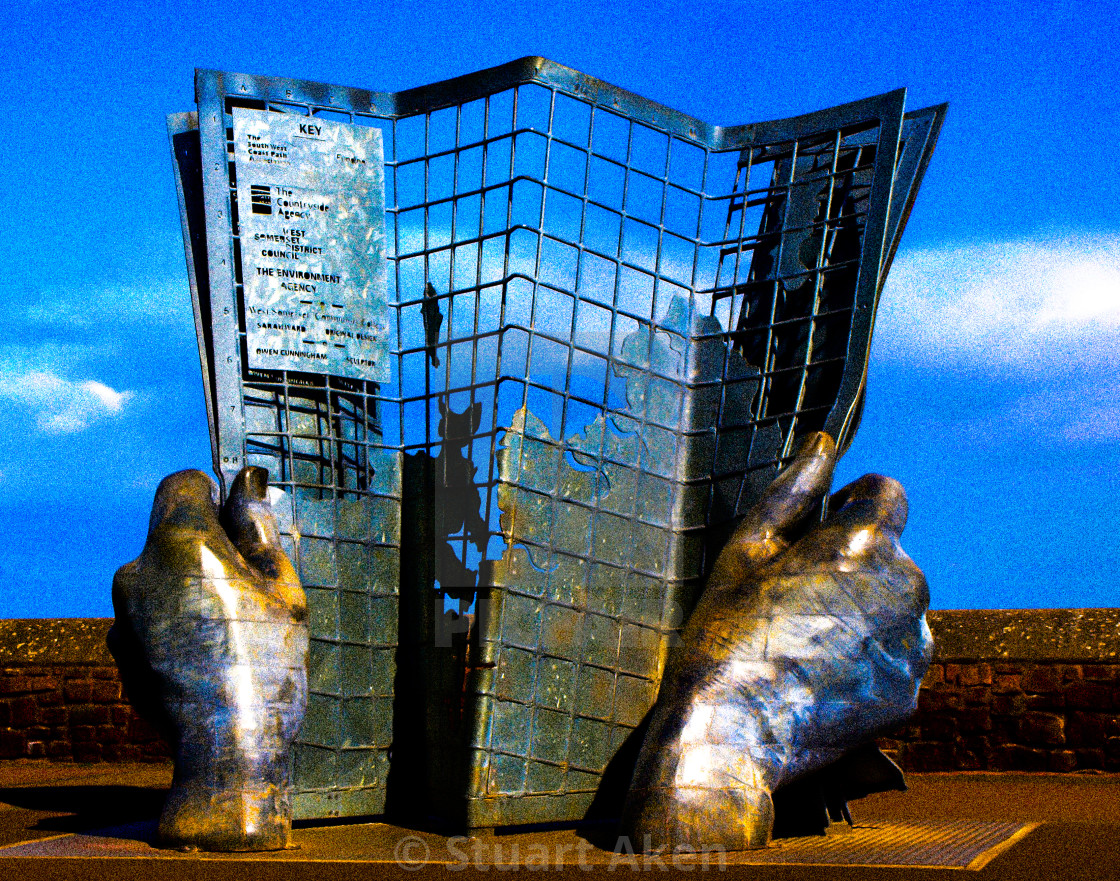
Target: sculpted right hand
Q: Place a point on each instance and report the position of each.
(809, 638)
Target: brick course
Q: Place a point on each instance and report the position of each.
(1025, 716)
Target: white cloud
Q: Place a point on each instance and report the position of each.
(59, 405)
(1031, 306)
(1040, 319)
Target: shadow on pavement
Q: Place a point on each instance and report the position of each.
(68, 809)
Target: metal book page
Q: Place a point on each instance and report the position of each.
(297, 348)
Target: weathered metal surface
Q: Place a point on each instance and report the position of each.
(602, 559)
(211, 640)
(809, 638)
(948, 844)
(377, 848)
(549, 238)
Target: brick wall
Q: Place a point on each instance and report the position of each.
(71, 712)
(1017, 690)
(1013, 716)
(60, 696)
(1035, 690)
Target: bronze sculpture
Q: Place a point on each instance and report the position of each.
(808, 640)
(211, 639)
(536, 434)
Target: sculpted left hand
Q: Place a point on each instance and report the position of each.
(808, 640)
(211, 638)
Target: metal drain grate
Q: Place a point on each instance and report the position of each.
(960, 844)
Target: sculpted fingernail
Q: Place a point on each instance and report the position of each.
(818, 443)
(254, 483)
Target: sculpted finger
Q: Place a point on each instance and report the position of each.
(184, 519)
(784, 510)
(857, 547)
(862, 529)
(249, 521)
(247, 516)
(873, 500)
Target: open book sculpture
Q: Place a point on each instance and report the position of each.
(518, 352)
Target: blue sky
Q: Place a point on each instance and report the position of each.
(994, 390)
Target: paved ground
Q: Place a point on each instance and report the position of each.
(96, 821)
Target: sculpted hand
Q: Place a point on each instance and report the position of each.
(211, 638)
(808, 640)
